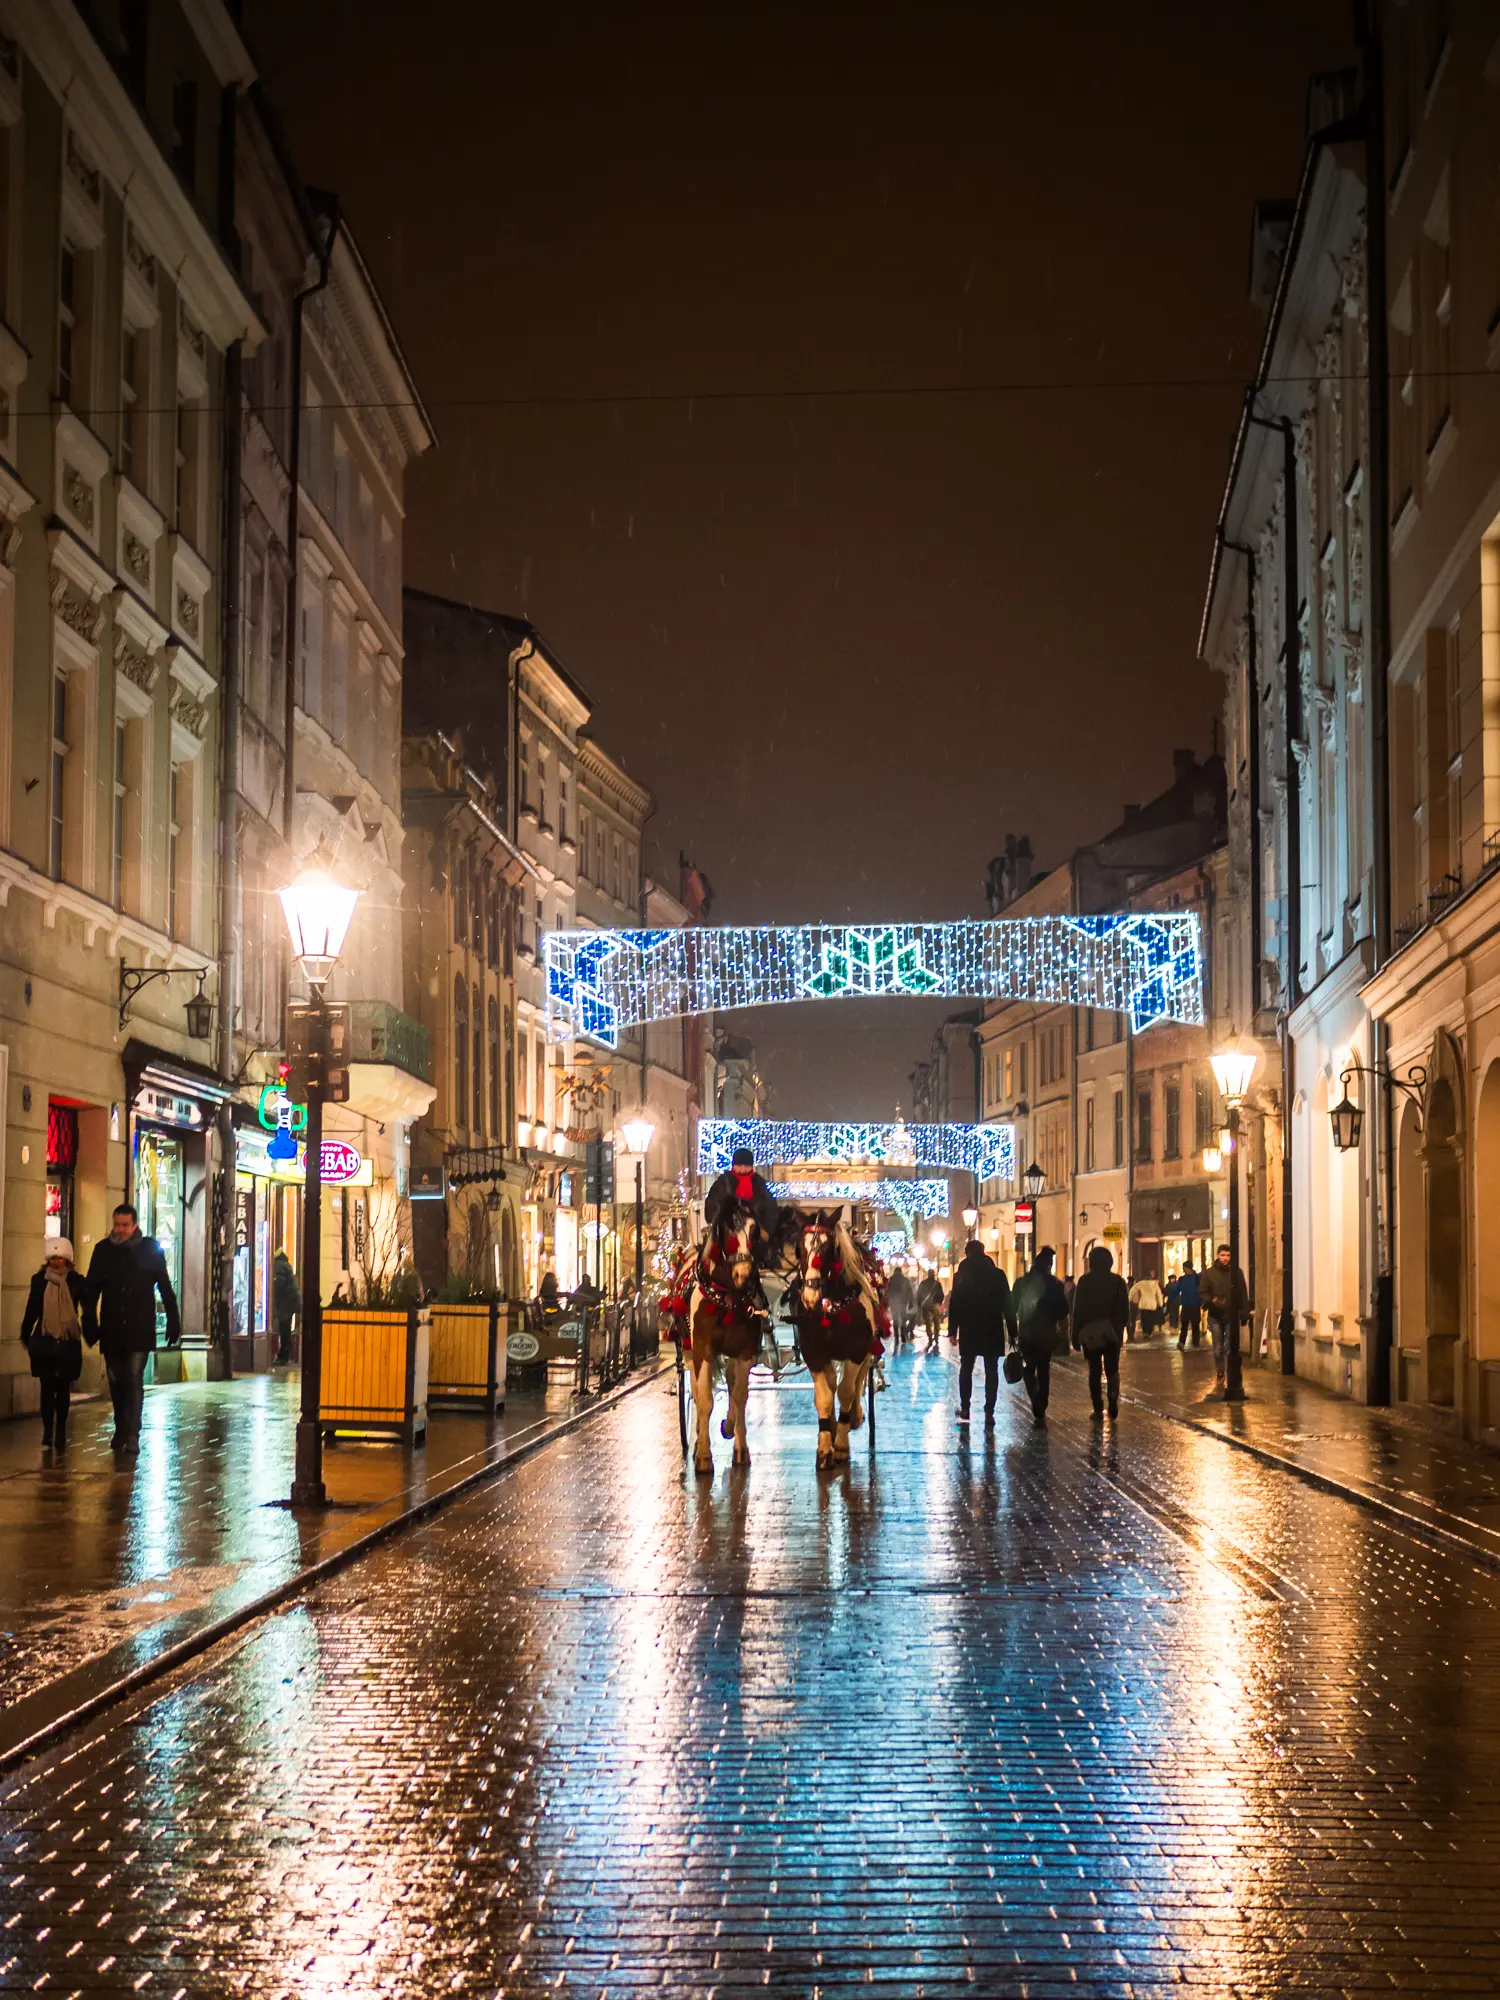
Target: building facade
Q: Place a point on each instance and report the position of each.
(120, 303)
(361, 424)
(465, 883)
(1439, 992)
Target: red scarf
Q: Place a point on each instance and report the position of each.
(744, 1188)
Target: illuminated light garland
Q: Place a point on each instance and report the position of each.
(1149, 967)
(988, 1151)
(924, 1198)
(890, 1244)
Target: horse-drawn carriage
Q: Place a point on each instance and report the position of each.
(834, 1299)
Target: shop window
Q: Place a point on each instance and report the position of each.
(62, 1162)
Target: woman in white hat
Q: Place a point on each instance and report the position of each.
(52, 1336)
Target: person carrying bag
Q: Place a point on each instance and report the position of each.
(52, 1334)
(1101, 1309)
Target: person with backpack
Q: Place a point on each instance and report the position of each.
(1041, 1307)
(1101, 1308)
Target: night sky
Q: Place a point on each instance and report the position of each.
(846, 393)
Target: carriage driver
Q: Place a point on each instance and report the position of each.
(743, 1187)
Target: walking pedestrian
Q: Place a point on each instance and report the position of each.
(1227, 1303)
(930, 1306)
(1101, 1307)
(126, 1272)
(1173, 1296)
(901, 1303)
(51, 1334)
(1145, 1300)
(1189, 1308)
(286, 1303)
(980, 1315)
(1040, 1309)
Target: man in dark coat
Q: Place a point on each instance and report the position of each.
(126, 1272)
(980, 1313)
(1227, 1303)
(743, 1187)
(1101, 1309)
(1041, 1307)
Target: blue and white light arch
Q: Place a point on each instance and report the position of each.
(986, 1151)
(928, 1199)
(600, 983)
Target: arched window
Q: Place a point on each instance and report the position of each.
(496, 1131)
(460, 896)
(478, 1120)
(460, 1050)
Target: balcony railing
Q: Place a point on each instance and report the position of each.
(381, 1033)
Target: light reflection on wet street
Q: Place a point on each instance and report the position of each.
(1102, 1709)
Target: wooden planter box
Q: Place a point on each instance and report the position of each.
(466, 1369)
(375, 1365)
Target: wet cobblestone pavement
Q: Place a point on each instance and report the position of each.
(1101, 1710)
(108, 1562)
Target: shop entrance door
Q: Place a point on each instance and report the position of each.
(159, 1204)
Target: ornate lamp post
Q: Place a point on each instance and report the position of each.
(638, 1131)
(317, 910)
(971, 1218)
(1233, 1069)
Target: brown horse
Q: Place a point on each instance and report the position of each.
(718, 1304)
(835, 1304)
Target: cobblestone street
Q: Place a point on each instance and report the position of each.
(1100, 1709)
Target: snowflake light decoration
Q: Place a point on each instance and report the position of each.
(987, 1151)
(924, 1198)
(599, 983)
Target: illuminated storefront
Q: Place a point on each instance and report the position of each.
(173, 1108)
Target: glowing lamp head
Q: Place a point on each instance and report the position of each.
(638, 1131)
(1346, 1117)
(1233, 1068)
(317, 910)
(971, 1216)
(1033, 1180)
(1213, 1159)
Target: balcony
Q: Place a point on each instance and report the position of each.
(381, 1033)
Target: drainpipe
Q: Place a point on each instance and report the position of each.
(1378, 648)
(1257, 913)
(293, 532)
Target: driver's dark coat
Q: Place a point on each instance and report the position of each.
(721, 1198)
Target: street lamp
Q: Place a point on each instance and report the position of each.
(1233, 1069)
(971, 1217)
(318, 910)
(638, 1131)
(1033, 1180)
